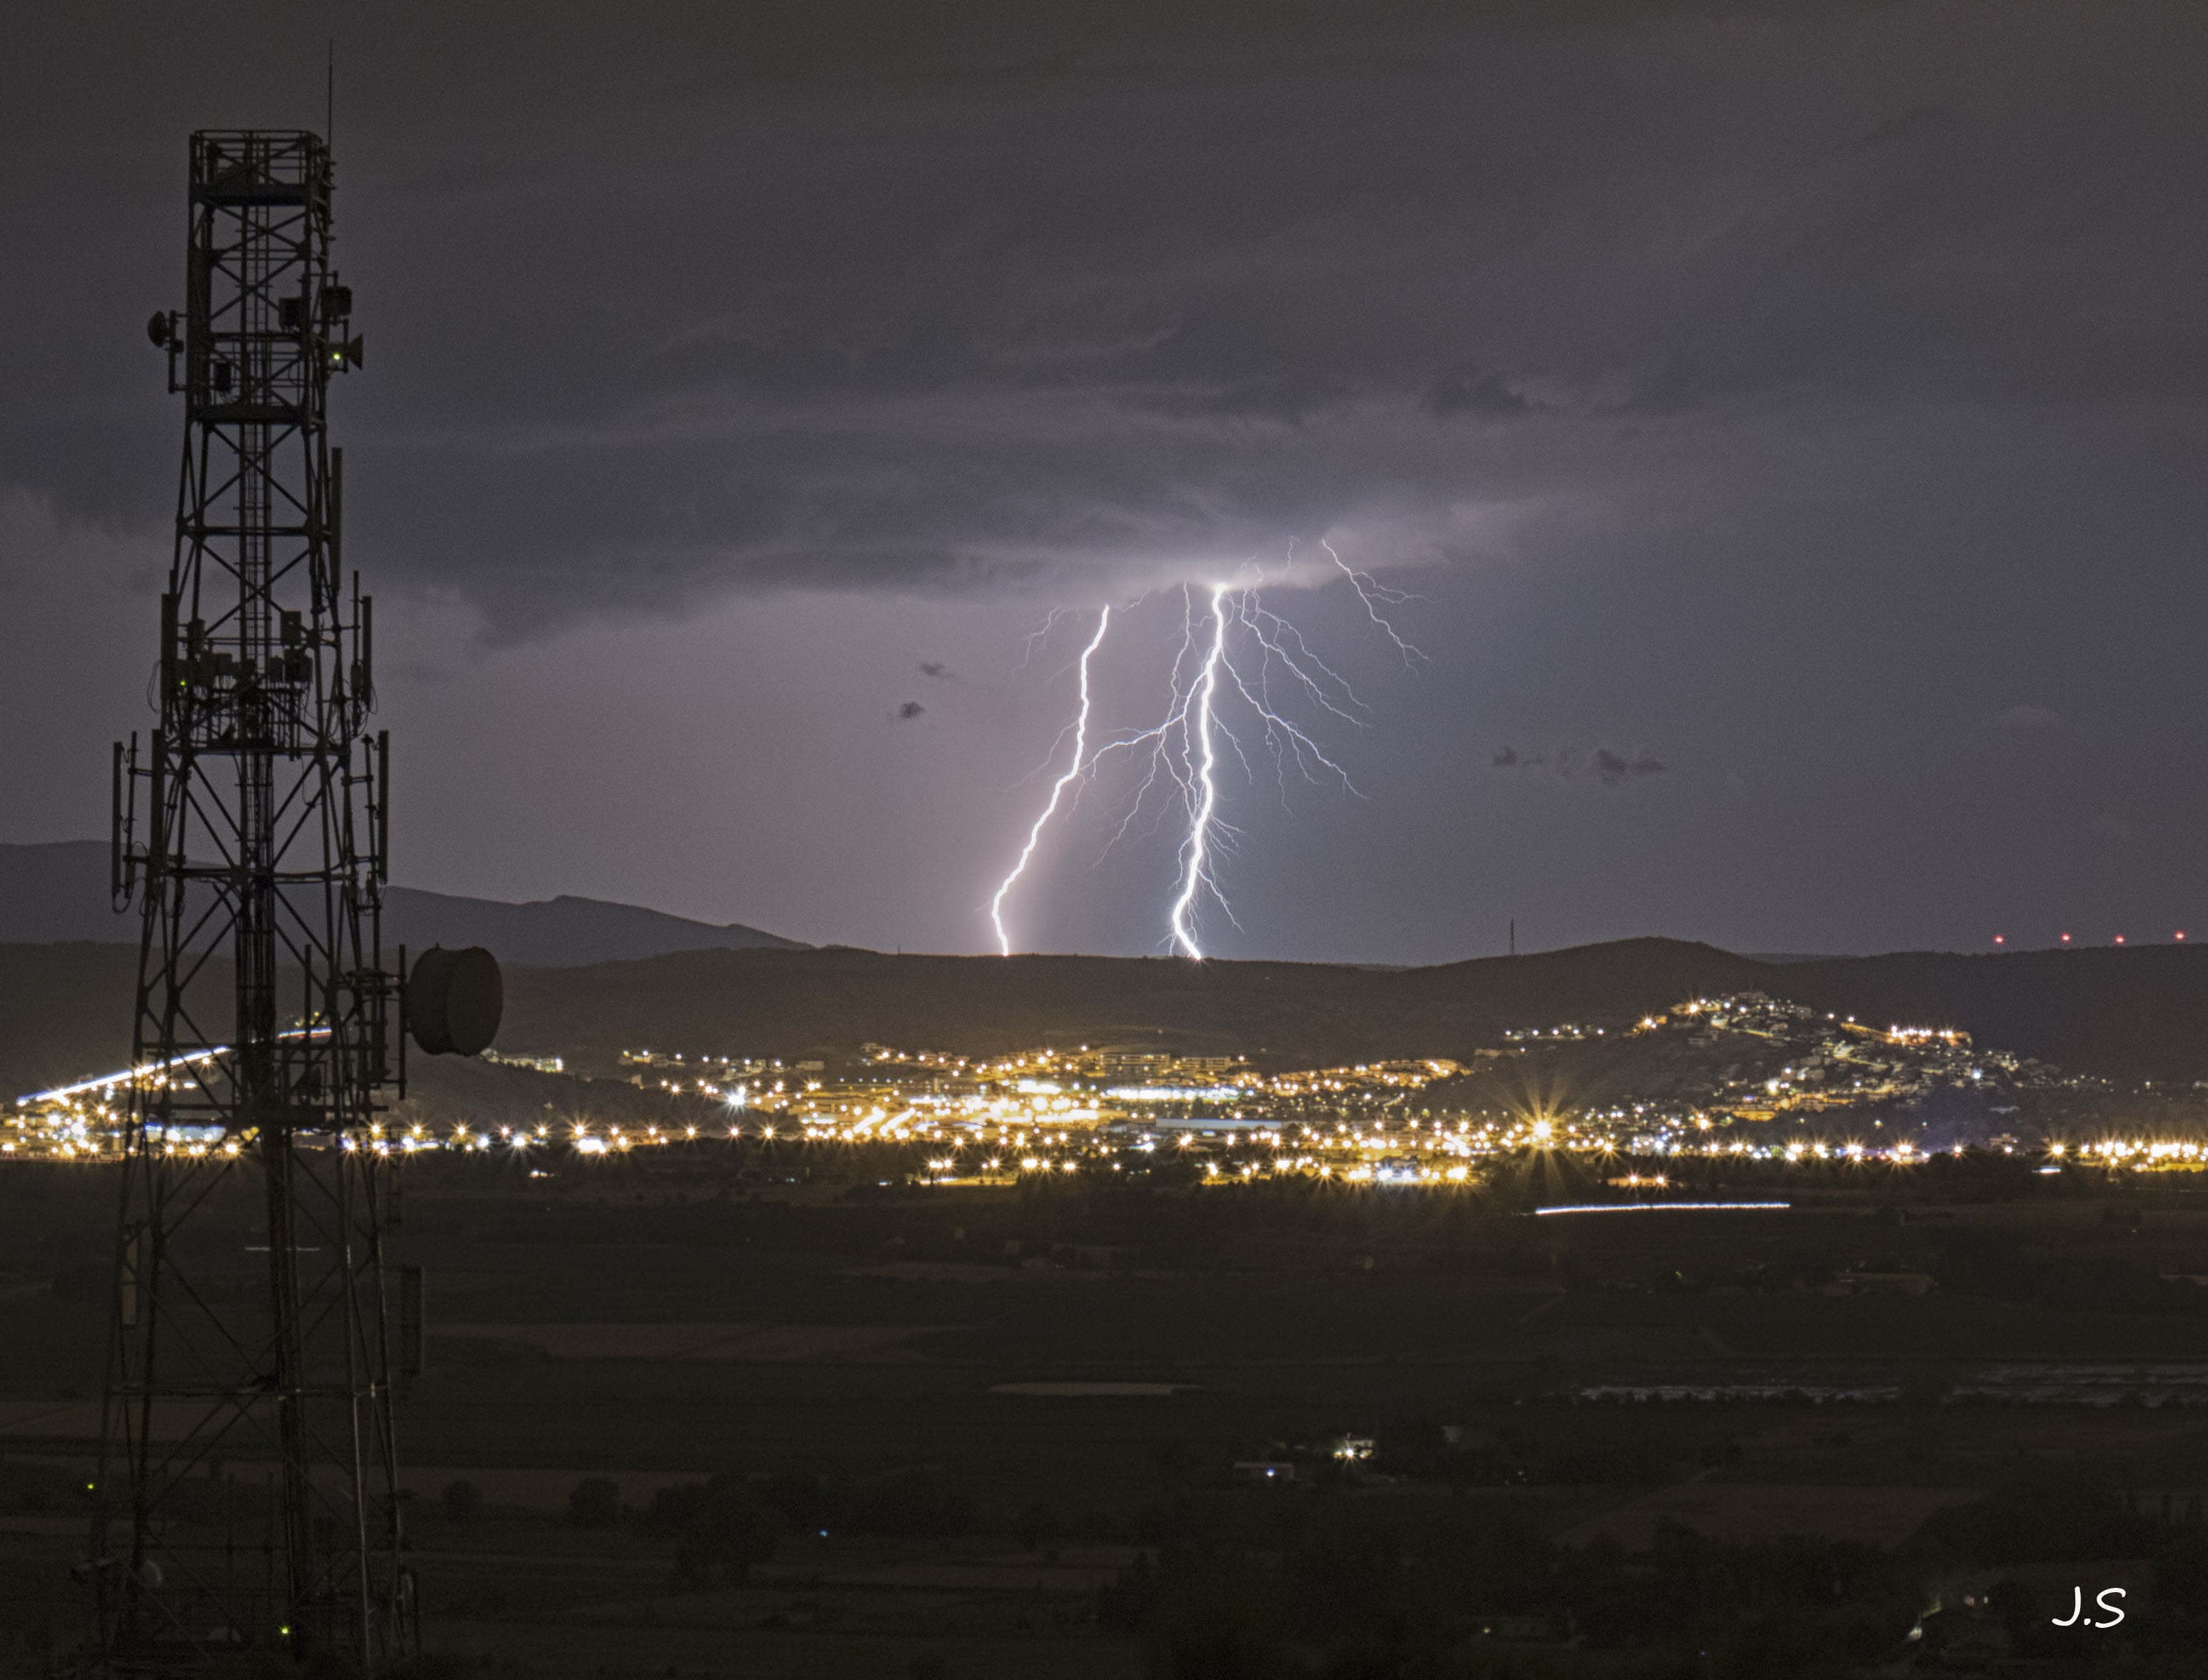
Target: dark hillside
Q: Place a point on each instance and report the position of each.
(1291, 1013)
(65, 1012)
(1597, 984)
(2137, 1013)
(2140, 1013)
(2130, 1014)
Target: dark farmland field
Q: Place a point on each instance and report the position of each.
(997, 1431)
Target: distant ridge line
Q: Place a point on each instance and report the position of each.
(57, 892)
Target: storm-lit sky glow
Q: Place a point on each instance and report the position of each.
(1787, 421)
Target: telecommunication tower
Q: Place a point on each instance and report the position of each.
(248, 1496)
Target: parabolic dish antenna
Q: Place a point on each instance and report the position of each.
(454, 1001)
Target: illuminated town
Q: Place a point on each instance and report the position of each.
(1745, 1078)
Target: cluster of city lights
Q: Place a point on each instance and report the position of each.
(1064, 1111)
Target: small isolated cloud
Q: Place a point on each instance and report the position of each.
(1608, 767)
(910, 710)
(1611, 768)
(2114, 828)
(934, 668)
(2028, 717)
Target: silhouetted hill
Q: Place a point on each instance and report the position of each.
(1299, 1013)
(562, 932)
(64, 1008)
(2137, 1013)
(65, 1012)
(2132, 1014)
(59, 892)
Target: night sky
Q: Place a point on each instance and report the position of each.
(1789, 422)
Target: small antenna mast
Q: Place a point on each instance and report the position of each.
(330, 96)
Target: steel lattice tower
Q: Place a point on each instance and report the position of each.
(264, 1009)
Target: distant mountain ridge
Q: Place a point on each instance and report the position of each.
(58, 892)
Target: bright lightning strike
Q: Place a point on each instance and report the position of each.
(1241, 649)
(1058, 788)
(1196, 850)
(1185, 745)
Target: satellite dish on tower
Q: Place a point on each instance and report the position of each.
(454, 1001)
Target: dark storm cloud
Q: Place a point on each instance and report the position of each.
(1817, 388)
(1036, 300)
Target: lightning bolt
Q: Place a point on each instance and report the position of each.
(1073, 772)
(1239, 649)
(1185, 745)
(1196, 850)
